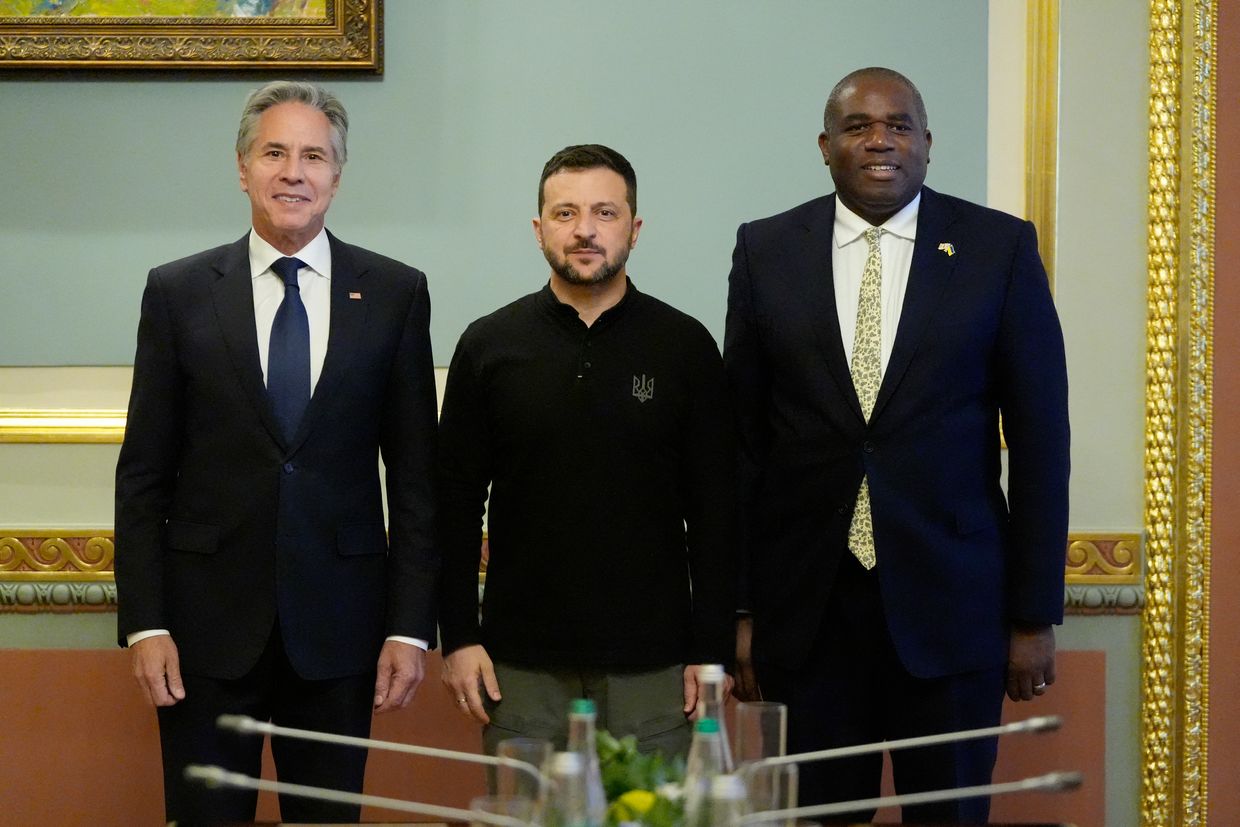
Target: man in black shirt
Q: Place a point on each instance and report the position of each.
(598, 416)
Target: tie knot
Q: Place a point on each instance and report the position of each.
(871, 236)
(286, 268)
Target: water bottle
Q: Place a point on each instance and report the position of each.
(567, 805)
(711, 700)
(581, 717)
(704, 764)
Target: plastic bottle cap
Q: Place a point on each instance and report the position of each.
(706, 725)
(710, 672)
(582, 706)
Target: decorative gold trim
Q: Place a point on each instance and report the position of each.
(1103, 559)
(349, 37)
(1042, 125)
(61, 425)
(1178, 427)
(40, 556)
(57, 598)
(1197, 434)
(1157, 655)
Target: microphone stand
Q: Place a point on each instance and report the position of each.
(247, 725)
(219, 777)
(1051, 782)
(1041, 723)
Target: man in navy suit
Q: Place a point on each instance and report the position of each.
(874, 337)
(253, 568)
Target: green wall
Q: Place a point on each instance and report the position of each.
(716, 102)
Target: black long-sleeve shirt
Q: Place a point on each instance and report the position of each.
(609, 452)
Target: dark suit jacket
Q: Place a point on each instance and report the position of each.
(978, 335)
(221, 527)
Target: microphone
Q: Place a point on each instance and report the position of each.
(219, 777)
(1051, 782)
(250, 726)
(1041, 723)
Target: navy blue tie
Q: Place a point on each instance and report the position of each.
(288, 355)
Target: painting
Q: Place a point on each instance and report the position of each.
(192, 34)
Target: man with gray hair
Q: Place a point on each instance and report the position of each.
(254, 572)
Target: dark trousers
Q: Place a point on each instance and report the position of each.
(854, 690)
(647, 703)
(272, 691)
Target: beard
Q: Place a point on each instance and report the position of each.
(607, 271)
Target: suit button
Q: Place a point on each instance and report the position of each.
(868, 447)
(842, 510)
(289, 468)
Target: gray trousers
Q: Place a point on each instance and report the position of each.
(648, 704)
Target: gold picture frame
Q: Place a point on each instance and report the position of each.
(342, 34)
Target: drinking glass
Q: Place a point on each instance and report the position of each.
(761, 730)
(509, 806)
(772, 787)
(516, 781)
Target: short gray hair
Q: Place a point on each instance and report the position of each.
(290, 91)
(833, 100)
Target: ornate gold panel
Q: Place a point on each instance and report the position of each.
(1174, 667)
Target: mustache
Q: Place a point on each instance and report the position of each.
(583, 247)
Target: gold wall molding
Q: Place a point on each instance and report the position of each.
(1103, 559)
(61, 425)
(1042, 125)
(1178, 429)
(51, 570)
(1102, 574)
(52, 557)
(62, 572)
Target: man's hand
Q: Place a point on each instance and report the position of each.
(466, 672)
(157, 669)
(693, 689)
(746, 688)
(1031, 661)
(400, 670)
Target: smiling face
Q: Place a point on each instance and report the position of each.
(878, 147)
(290, 174)
(586, 229)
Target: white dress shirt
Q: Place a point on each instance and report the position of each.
(848, 254)
(314, 282)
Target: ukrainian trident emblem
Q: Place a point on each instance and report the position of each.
(643, 388)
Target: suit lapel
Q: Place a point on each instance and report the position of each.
(348, 317)
(233, 294)
(929, 274)
(820, 298)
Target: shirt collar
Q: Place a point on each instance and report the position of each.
(551, 302)
(317, 255)
(849, 226)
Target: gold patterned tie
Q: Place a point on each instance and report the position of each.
(866, 367)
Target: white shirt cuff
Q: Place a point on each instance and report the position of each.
(134, 637)
(412, 641)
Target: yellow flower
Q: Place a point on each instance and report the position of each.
(631, 806)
